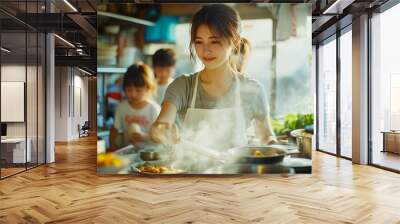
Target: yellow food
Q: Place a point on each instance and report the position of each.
(108, 159)
(149, 168)
(258, 153)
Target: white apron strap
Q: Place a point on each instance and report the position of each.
(237, 92)
(193, 101)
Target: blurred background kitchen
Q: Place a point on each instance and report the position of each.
(280, 59)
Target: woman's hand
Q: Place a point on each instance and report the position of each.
(269, 140)
(166, 133)
(138, 137)
(265, 132)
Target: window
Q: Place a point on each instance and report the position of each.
(346, 94)
(385, 85)
(22, 71)
(327, 96)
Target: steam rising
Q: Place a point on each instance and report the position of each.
(212, 134)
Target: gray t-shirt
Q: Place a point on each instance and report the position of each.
(125, 115)
(253, 99)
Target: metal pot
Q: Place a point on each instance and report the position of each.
(247, 168)
(258, 154)
(160, 153)
(304, 142)
(149, 155)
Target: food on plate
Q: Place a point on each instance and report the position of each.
(258, 153)
(149, 168)
(157, 169)
(108, 159)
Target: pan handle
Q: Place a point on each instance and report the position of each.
(134, 169)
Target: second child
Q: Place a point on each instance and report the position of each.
(164, 61)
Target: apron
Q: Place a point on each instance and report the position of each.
(219, 129)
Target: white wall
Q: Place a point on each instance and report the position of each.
(33, 127)
(71, 93)
(10, 73)
(15, 73)
(81, 94)
(61, 103)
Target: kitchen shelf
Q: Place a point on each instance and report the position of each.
(113, 70)
(126, 18)
(103, 133)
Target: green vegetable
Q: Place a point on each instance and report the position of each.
(292, 122)
(278, 127)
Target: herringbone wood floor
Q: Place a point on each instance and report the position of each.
(70, 191)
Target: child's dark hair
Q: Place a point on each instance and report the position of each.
(221, 19)
(164, 57)
(139, 75)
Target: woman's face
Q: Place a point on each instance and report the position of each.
(212, 50)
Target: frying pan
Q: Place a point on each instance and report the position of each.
(267, 154)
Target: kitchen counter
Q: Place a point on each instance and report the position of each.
(291, 164)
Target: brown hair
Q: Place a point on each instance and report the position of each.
(221, 19)
(140, 75)
(242, 54)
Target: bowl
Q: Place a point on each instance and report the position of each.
(149, 155)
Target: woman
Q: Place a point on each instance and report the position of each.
(214, 106)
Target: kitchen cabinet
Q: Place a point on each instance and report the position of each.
(111, 70)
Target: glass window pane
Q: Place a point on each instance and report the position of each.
(327, 97)
(13, 84)
(41, 99)
(31, 96)
(22, 70)
(386, 89)
(346, 94)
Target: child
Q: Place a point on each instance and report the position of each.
(164, 68)
(134, 116)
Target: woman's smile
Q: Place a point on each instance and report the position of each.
(209, 59)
